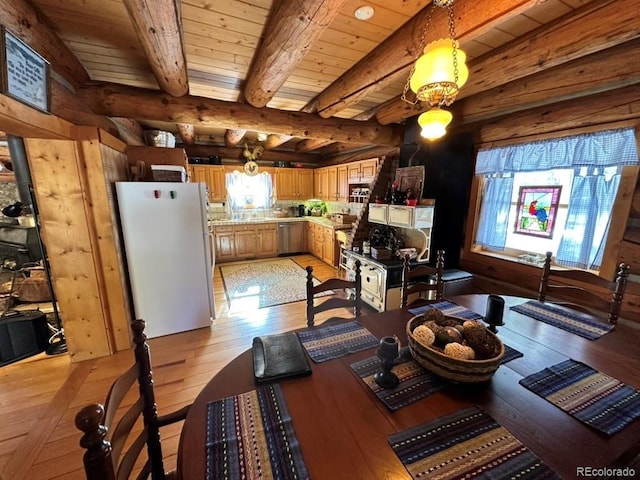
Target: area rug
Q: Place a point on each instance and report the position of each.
(260, 284)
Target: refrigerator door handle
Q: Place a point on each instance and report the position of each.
(213, 251)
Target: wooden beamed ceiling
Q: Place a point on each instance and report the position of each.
(316, 58)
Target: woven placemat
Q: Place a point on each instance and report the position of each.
(251, 435)
(600, 401)
(577, 323)
(448, 308)
(335, 341)
(415, 381)
(466, 444)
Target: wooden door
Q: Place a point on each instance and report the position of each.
(245, 241)
(216, 183)
(353, 172)
(324, 184)
(286, 184)
(225, 249)
(305, 184)
(368, 170)
(328, 246)
(332, 184)
(267, 240)
(308, 229)
(343, 184)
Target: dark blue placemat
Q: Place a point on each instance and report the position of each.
(335, 341)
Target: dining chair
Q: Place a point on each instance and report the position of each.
(420, 279)
(606, 297)
(114, 444)
(352, 291)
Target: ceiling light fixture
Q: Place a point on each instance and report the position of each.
(437, 76)
(364, 12)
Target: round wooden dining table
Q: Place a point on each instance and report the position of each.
(343, 428)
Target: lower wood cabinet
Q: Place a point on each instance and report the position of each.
(238, 242)
(321, 243)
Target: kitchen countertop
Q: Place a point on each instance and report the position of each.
(318, 220)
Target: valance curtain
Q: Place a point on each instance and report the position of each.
(244, 191)
(592, 194)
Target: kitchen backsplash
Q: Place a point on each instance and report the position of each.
(219, 211)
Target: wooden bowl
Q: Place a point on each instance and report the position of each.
(458, 370)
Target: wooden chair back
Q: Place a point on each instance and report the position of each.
(137, 428)
(575, 289)
(419, 279)
(354, 299)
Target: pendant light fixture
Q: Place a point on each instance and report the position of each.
(437, 76)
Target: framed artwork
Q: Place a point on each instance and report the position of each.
(25, 74)
(537, 210)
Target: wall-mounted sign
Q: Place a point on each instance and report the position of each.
(25, 74)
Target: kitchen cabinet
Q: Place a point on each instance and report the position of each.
(225, 245)
(266, 240)
(237, 242)
(332, 184)
(329, 246)
(294, 183)
(309, 236)
(213, 177)
(363, 171)
(343, 183)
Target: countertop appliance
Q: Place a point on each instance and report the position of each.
(169, 253)
(290, 238)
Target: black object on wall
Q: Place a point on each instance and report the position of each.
(449, 165)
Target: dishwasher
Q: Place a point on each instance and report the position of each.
(290, 238)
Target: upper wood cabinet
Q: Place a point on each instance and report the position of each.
(294, 183)
(213, 176)
(363, 171)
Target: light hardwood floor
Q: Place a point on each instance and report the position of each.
(40, 396)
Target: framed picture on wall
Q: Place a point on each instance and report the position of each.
(537, 210)
(25, 74)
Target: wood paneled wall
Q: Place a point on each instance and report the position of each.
(77, 224)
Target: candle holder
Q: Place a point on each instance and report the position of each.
(495, 310)
(388, 351)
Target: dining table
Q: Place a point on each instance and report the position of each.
(343, 428)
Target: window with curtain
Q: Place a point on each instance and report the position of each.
(244, 191)
(583, 171)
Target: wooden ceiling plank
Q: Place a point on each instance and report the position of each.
(157, 23)
(124, 101)
(33, 28)
(292, 29)
(596, 27)
(607, 70)
(400, 50)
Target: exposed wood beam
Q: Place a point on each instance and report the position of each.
(607, 70)
(187, 133)
(612, 106)
(292, 29)
(595, 27)
(336, 148)
(232, 137)
(274, 141)
(236, 154)
(363, 154)
(33, 28)
(129, 131)
(400, 50)
(20, 120)
(143, 104)
(311, 144)
(157, 23)
(66, 105)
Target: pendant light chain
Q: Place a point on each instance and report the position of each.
(413, 64)
(452, 33)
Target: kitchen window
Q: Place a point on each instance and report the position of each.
(244, 191)
(517, 217)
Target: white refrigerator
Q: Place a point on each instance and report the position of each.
(170, 254)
